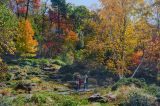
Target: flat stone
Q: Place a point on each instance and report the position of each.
(97, 98)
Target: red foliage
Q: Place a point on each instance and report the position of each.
(22, 10)
(36, 1)
(36, 4)
(53, 16)
(61, 36)
(49, 44)
(20, 1)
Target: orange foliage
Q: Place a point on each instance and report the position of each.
(26, 43)
(71, 36)
(136, 58)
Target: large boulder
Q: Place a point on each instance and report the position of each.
(97, 98)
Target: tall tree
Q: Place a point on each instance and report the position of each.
(120, 27)
(8, 30)
(26, 42)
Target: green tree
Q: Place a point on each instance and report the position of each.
(8, 30)
(78, 16)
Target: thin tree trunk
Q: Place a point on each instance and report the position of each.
(137, 69)
(122, 38)
(27, 9)
(58, 19)
(17, 9)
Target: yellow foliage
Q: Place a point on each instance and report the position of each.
(26, 43)
(110, 64)
(118, 34)
(35, 79)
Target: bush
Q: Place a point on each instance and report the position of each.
(39, 62)
(19, 101)
(76, 67)
(6, 91)
(3, 67)
(11, 84)
(21, 73)
(66, 69)
(67, 77)
(33, 62)
(5, 101)
(3, 71)
(42, 99)
(39, 98)
(36, 80)
(158, 96)
(136, 99)
(59, 100)
(58, 62)
(128, 81)
(153, 89)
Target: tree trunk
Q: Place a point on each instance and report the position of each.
(27, 9)
(137, 68)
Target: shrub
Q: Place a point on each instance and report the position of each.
(66, 69)
(12, 83)
(19, 101)
(158, 96)
(42, 99)
(136, 99)
(36, 79)
(67, 77)
(25, 63)
(3, 71)
(3, 67)
(33, 62)
(153, 89)
(5, 101)
(59, 100)
(39, 98)
(39, 62)
(58, 62)
(129, 81)
(6, 91)
(74, 68)
(23, 72)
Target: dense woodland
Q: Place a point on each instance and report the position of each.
(45, 44)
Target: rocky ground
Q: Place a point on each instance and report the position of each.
(43, 86)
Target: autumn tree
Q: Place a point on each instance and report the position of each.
(149, 65)
(24, 8)
(59, 38)
(117, 36)
(26, 42)
(150, 60)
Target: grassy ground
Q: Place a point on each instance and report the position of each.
(47, 92)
